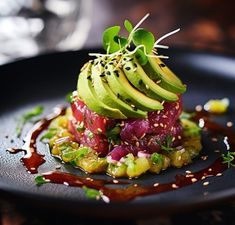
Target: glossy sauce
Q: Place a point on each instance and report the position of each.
(33, 160)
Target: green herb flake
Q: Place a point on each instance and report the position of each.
(40, 180)
(69, 97)
(49, 134)
(228, 158)
(27, 117)
(90, 134)
(91, 193)
(157, 158)
(166, 145)
(186, 115)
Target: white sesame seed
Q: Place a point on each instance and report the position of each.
(137, 144)
(194, 180)
(219, 174)
(204, 157)
(210, 169)
(206, 183)
(156, 184)
(188, 171)
(161, 125)
(198, 108)
(214, 139)
(155, 125)
(115, 181)
(135, 185)
(229, 124)
(174, 186)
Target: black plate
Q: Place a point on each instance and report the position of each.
(46, 80)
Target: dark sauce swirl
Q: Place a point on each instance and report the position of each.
(32, 160)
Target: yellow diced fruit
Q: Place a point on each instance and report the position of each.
(193, 145)
(180, 158)
(117, 170)
(138, 167)
(217, 106)
(59, 122)
(91, 163)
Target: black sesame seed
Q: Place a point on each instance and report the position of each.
(116, 73)
(108, 73)
(131, 59)
(140, 82)
(96, 63)
(102, 74)
(89, 77)
(118, 95)
(162, 65)
(127, 68)
(111, 63)
(135, 65)
(128, 100)
(106, 67)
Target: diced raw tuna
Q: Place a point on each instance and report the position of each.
(95, 123)
(138, 134)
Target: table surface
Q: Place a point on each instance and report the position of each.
(202, 28)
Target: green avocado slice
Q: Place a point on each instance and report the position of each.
(121, 87)
(137, 76)
(87, 93)
(157, 70)
(108, 97)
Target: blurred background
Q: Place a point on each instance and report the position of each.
(31, 27)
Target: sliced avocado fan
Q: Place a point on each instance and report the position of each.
(157, 70)
(137, 76)
(87, 93)
(107, 96)
(121, 86)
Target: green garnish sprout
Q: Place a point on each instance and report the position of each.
(143, 41)
(27, 117)
(228, 158)
(166, 144)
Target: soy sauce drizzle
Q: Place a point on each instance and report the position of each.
(132, 191)
(32, 159)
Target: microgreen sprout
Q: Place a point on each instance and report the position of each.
(228, 158)
(143, 41)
